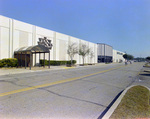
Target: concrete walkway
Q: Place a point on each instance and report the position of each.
(6, 71)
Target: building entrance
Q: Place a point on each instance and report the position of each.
(21, 59)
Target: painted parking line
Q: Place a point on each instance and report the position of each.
(53, 83)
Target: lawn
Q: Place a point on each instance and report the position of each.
(135, 104)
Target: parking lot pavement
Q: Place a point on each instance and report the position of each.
(143, 77)
(84, 92)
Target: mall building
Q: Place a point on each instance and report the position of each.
(19, 38)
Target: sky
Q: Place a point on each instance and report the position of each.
(123, 24)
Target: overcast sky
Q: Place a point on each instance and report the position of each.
(123, 24)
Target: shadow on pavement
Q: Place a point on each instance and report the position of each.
(145, 74)
(147, 71)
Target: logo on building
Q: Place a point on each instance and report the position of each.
(46, 42)
(119, 53)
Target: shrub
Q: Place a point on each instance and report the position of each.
(1, 63)
(9, 62)
(42, 62)
(56, 63)
(13, 62)
(74, 61)
(63, 62)
(68, 62)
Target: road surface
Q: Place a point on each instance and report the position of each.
(79, 93)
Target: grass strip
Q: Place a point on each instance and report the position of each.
(134, 104)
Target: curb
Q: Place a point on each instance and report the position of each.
(114, 106)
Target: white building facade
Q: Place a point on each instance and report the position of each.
(15, 34)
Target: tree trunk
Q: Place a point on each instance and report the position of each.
(71, 62)
(83, 61)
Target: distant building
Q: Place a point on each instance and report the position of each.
(118, 56)
(104, 52)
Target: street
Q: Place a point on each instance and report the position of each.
(79, 93)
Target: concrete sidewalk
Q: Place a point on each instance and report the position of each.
(6, 71)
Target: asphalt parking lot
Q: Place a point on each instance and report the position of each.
(81, 92)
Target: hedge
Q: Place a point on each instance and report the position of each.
(56, 63)
(9, 62)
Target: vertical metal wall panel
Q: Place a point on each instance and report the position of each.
(112, 51)
(54, 45)
(108, 50)
(99, 49)
(102, 50)
(104, 53)
(62, 50)
(23, 39)
(5, 49)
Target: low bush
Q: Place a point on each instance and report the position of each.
(56, 63)
(9, 62)
(68, 62)
(74, 61)
(42, 62)
(1, 63)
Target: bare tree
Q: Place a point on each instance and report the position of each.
(84, 51)
(91, 55)
(72, 50)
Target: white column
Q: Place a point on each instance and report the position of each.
(34, 35)
(54, 46)
(0, 44)
(11, 34)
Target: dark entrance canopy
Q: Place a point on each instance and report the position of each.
(25, 54)
(36, 48)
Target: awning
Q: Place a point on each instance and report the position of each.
(37, 49)
(32, 49)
